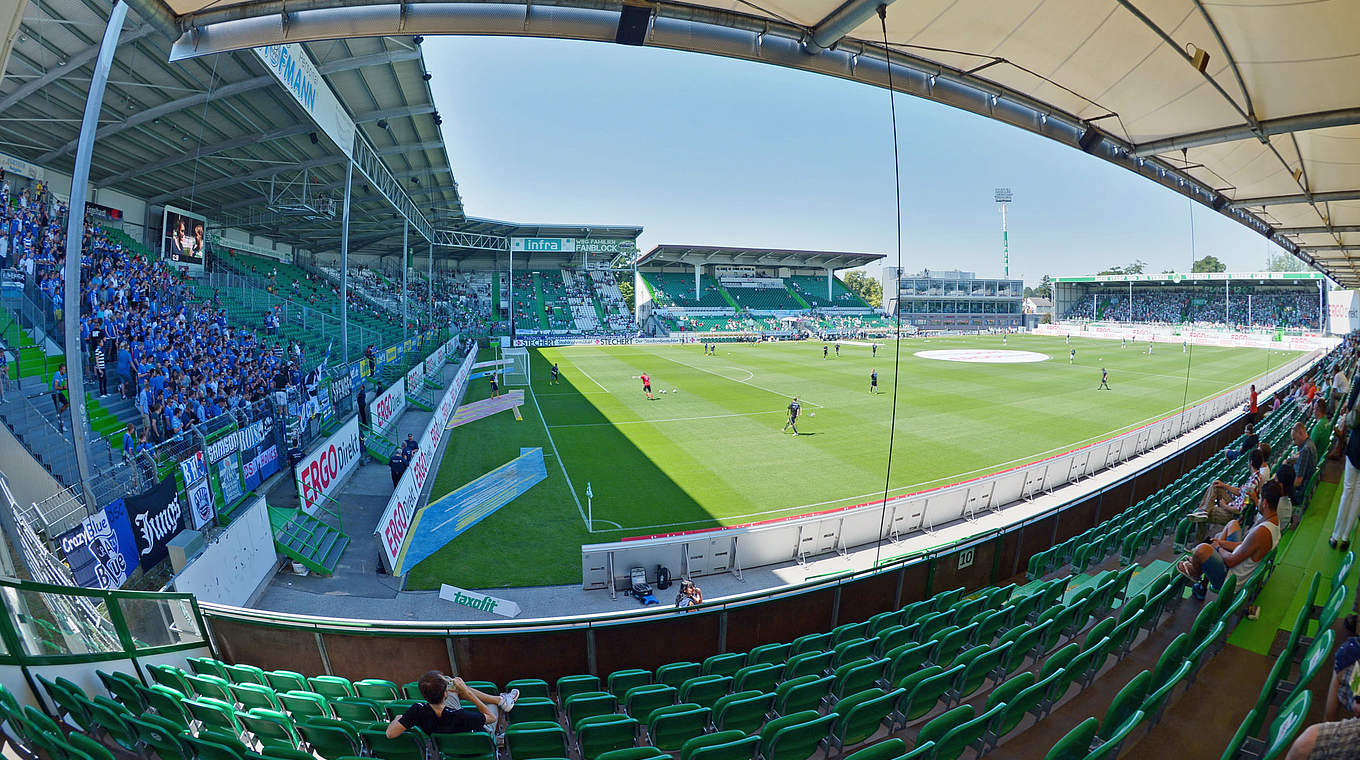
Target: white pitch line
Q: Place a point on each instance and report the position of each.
(672, 419)
(560, 463)
(733, 380)
(591, 379)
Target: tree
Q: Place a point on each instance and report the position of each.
(867, 288)
(1135, 268)
(1045, 288)
(1209, 263)
(1029, 292)
(1284, 262)
(626, 290)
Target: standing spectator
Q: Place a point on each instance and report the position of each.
(100, 369)
(129, 443)
(397, 464)
(59, 397)
(363, 403)
(1251, 404)
(409, 446)
(1350, 488)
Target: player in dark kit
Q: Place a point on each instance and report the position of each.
(838, 350)
(794, 409)
(495, 386)
(873, 381)
(823, 352)
(1104, 379)
(554, 379)
(647, 386)
(875, 349)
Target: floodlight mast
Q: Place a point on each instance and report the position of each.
(1003, 197)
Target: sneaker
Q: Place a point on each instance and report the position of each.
(1198, 516)
(1344, 546)
(508, 700)
(1331, 542)
(1199, 591)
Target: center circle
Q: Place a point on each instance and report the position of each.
(984, 356)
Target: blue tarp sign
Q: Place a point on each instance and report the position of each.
(444, 520)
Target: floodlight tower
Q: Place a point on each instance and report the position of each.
(1003, 197)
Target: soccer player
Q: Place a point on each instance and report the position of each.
(1183, 343)
(838, 349)
(1068, 339)
(1003, 340)
(873, 381)
(495, 385)
(1123, 342)
(1149, 348)
(553, 380)
(1072, 357)
(1104, 379)
(823, 350)
(875, 349)
(794, 409)
(647, 386)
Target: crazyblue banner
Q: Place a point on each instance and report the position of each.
(101, 551)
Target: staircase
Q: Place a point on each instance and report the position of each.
(307, 540)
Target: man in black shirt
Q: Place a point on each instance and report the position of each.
(1249, 441)
(437, 716)
(397, 464)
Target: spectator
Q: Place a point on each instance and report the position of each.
(1304, 460)
(689, 595)
(397, 464)
(1252, 408)
(1339, 736)
(362, 401)
(1249, 441)
(409, 446)
(59, 397)
(1350, 488)
(1223, 502)
(1230, 552)
(1322, 429)
(129, 443)
(436, 716)
(1284, 476)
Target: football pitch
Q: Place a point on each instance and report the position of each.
(710, 449)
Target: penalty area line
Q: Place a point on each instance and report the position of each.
(733, 380)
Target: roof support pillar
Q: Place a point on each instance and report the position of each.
(405, 286)
(430, 284)
(344, 265)
(75, 237)
(697, 269)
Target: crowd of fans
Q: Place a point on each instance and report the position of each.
(1266, 309)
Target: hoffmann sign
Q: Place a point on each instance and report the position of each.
(320, 473)
(396, 520)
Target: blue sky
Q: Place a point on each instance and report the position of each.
(705, 150)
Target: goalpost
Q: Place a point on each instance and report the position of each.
(516, 368)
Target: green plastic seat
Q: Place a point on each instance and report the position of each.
(1108, 749)
(569, 686)
(980, 663)
(952, 642)
(991, 624)
(469, 745)
(331, 687)
(705, 690)
(742, 711)
(1313, 659)
(860, 715)
(812, 642)
(852, 650)
(160, 736)
(408, 745)
(808, 663)
(1171, 658)
(762, 676)
(725, 664)
(331, 742)
(286, 680)
(529, 687)
(670, 727)
(922, 691)
(170, 677)
(893, 637)
(945, 722)
(796, 736)
(272, 727)
(635, 753)
(356, 710)
(379, 689)
(723, 745)
(206, 748)
(1021, 696)
(676, 673)
(245, 674)
(124, 688)
(966, 735)
(207, 666)
(1287, 725)
(305, 704)
(112, 718)
(802, 693)
(640, 701)
(621, 681)
(854, 677)
(251, 695)
(588, 704)
(535, 739)
(215, 713)
(770, 654)
(1076, 743)
(888, 749)
(1128, 701)
(1155, 701)
(602, 733)
(909, 658)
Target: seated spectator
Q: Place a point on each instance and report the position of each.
(1339, 736)
(1284, 476)
(1322, 428)
(1249, 442)
(1230, 551)
(1223, 502)
(436, 716)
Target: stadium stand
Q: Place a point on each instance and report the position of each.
(813, 291)
(677, 289)
(1202, 306)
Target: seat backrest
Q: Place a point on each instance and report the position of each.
(1076, 743)
(945, 722)
(1287, 725)
(1125, 703)
(797, 741)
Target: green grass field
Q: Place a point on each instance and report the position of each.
(710, 450)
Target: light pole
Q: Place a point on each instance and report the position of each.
(1003, 197)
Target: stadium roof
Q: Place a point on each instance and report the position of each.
(1265, 129)
(219, 135)
(1194, 277)
(778, 257)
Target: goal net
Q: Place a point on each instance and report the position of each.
(515, 371)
